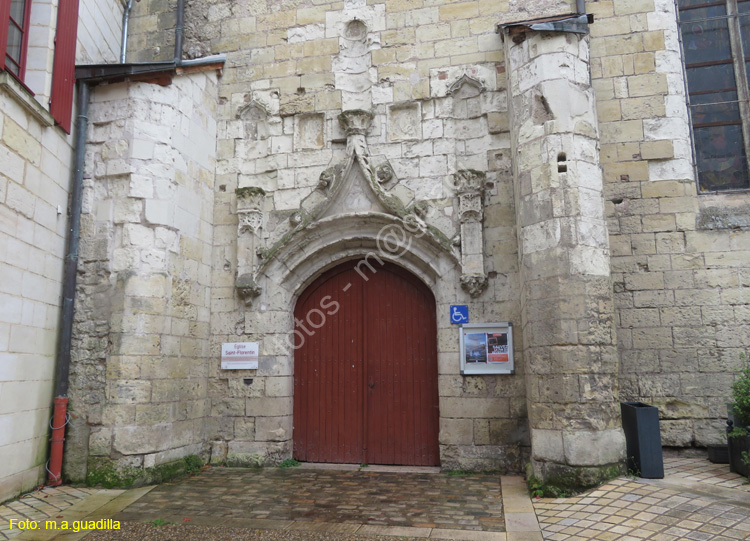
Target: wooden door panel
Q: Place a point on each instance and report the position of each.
(365, 386)
(402, 408)
(328, 390)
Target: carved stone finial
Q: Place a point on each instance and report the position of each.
(469, 180)
(474, 284)
(255, 117)
(475, 83)
(249, 209)
(326, 178)
(250, 221)
(422, 209)
(384, 173)
(250, 198)
(247, 288)
(469, 188)
(356, 121)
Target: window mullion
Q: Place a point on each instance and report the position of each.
(740, 71)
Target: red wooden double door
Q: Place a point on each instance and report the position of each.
(365, 371)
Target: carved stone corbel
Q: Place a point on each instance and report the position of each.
(469, 186)
(474, 284)
(249, 225)
(247, 288)
(356, 123)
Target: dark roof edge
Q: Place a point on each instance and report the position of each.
(574, 22)
(97, 73)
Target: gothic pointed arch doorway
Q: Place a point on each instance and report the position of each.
(365, 368)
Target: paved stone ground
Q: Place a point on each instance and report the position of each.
(300, 504)
(411, 500)
(40, 505)
(703, 472)
(696, 500)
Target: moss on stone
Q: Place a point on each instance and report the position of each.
(109, 474)
(249, 190)
(480, 174)
(441, 237)
(563, 481)
(342, 116)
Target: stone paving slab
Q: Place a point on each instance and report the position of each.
(99, 505)
(695, 501)
(700, 470)
(672, 509)
(418, 501)
(40, 505)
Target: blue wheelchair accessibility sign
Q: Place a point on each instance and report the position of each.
(459, 313)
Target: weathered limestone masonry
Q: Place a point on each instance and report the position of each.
(139, 382)
(509, 169)
(679, 259)
(423, 138)
(566, 292)
(35, 162)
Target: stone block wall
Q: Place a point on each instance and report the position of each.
(566, 292)
(35, 178)
(434, 80)
(151, 31)
(679, 258)
(139, 382)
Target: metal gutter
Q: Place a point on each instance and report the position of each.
(577, 24)
(100, 73)
(87, 76)
(70, 269)
(125, 21)
(179, 31)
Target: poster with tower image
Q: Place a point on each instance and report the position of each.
(486, 348)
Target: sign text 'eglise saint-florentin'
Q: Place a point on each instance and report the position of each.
(239, 356)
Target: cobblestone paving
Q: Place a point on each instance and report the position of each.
(627, 509)
(471, 502)
(40, 505)
(702, 471)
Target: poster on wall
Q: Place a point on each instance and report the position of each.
(486, 348)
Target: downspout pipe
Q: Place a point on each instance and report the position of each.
(125, 24)
(60, 416)
(581, 7)
(179, 31)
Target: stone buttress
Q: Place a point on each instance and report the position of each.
(567, 312)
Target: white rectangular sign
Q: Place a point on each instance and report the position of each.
(239, 356)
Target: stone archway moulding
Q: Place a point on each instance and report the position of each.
(362, 188)
(336, 239)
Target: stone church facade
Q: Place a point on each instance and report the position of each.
(535, 161)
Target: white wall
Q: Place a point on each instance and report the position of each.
(34, 183)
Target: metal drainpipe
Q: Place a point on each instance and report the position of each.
(581, 6)
(60, 417)
(125, 21)
(178, 32)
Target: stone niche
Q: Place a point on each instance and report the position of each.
(405, 122)
(309, 131)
